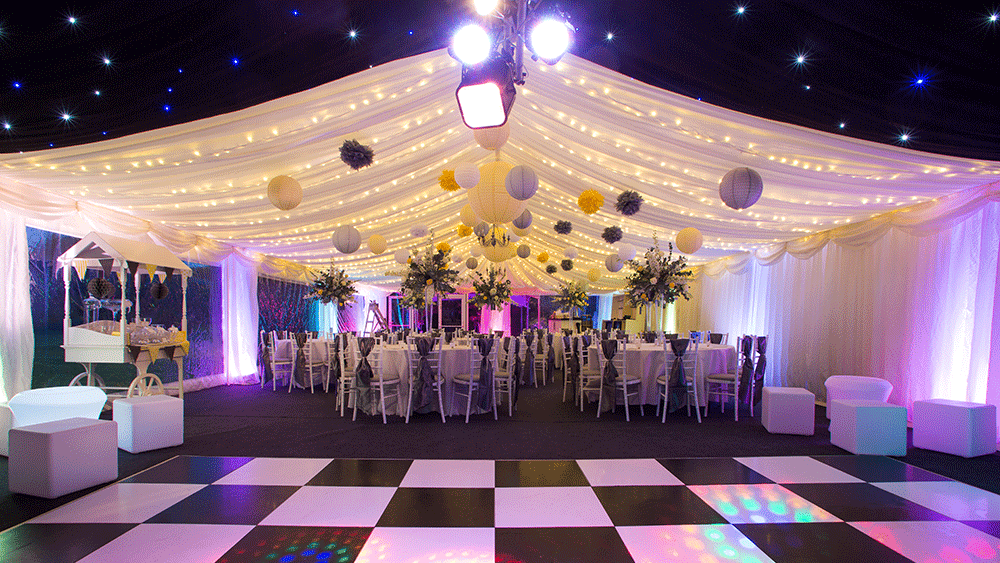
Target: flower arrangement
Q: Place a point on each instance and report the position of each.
(572, 295)
(427, 273)
(492, 290)
(332, 286)
(657, 277)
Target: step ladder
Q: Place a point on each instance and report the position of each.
(374, 320)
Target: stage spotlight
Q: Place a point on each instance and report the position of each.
(486, 94)
(485, 7)
(550, 39)
(471, 45)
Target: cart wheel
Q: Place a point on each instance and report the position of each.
(145, 384)
(82, 380)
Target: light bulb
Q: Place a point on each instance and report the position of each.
(471, 44)
(485, 7)
(550, 39)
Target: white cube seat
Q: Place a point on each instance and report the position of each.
(846, 387)
(56, 458)
(955, 427)
(149, 423)
(869, 427)
(788, 410)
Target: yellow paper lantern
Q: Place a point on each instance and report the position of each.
(494, 251)
(376, 244)
(468, 216)
(284, 192)
(689, 240)
(492, 138)
(489, 198)
(594, 275)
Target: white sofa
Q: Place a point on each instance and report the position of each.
(855, 387)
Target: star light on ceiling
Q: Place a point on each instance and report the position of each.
(904, 137)
(6, 125)
(740, 11)
(106, 60)
(610, 36)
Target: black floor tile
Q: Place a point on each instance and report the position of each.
(549, 545)
(56, 543)
(539, 473)
(712, 471)
(991, 527)
(861, 502)
(655, 506)
(299, 544)
(833, 542)
(430, 508)
(878, 469)
(226, 504)
(190, 469)
(362, 473)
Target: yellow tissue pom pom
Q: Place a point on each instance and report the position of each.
(447, 181)
(443, 247)
(464, 230)
(590, 201)
(543, 256)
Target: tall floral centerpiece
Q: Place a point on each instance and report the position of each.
(572, 296)
(492, 290)
(332, 286)
(657, 277)
(427, 274)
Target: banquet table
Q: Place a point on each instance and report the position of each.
(648, 361)
(455, 360)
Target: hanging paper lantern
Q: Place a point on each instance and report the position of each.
(158, 290)
(489, 199)
(100, 288)
(447, 181)
(629, 202)
(689, 240)
(492, 138)
(524, 220)
(594, 275)
(563, 227)
(520, 232)
(612, 234)
(466, 175)
(419, 231)
(476, 250)
(346, 239)
(464, 230)
(740, 188)
(376, 244)
(521, 183)
(566, 265)
(402, 255)
(284, 192)
(472, 263)
(543, 257)
(626, 251)
(482, 229)
(524, 251)
(570, 252)
(457, 258)
(590, 201)
(356, 155)
(498, 246)
(613, 263)
(551, 269)
(468, 216)
(514, 237)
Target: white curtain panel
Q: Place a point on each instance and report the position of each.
(918, 311)
(239, 319)
(17, 337)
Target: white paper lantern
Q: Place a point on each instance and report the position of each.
(740, 188)
(626, 251)
(472, 263)
(594, 275)
(613, 263)
(284, 192)
(489, 198)
(376, 243)
(521, 183)
(520, 232)
(419, 231)
(514, 237)
(482, 229)
(688, 240)
(346, 239)
(476, 250)
(570, 252)
(456, 258)
(402, 255)
(523, 221)
(466, 175)
(468, 216)
(524, 251)
(492, 138)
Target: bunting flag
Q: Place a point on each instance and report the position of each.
(81, 268)
(168, 271)
(106, 265)
(162, 276)
(132, 266)
(151, 270)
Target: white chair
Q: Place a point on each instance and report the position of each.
(467, 384)
(590, 377)
(379, 381)
(690, 362)
(540, 348)
(623, 382)
(434, 359)
(313, 361)
(728, 384)
(503, 377)
(567, 357)
(283, 364)
(345, 385)
(262, 353)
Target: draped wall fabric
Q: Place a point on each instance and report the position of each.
(918, 311)
(239, 319)
(17, 337)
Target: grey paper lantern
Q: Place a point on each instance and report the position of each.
(482, 229)
(524, 221)
(521, 183)
(346, 239)
(740, 188)
(524, 251)
(613, 263)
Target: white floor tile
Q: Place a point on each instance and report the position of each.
(450, 473)
(548, 507)
(619, 472)
(170, 543)
(275, 471)
(120, 503)
(332, 506)
(760, 504)
(709, 542)
(951, 498)
(796, 469)
(934, 541)
(438, 545)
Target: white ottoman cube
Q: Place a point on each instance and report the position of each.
(955, 427)
(149, 423)
(55, 458)
(788, 410)
(869, 427)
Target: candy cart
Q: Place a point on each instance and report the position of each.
(119, 341)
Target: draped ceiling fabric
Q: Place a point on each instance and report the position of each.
(200, 188)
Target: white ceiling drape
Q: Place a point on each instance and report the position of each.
(200, 188)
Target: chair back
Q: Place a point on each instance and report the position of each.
(718, 338)
(413, 356)
(476, 359)
(618, 361)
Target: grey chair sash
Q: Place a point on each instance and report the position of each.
(677, 376)
(610, 349)
(550, 360)
(514, 365)
(485, 398)
(363, 373)
(424, 378)
(758, 373)
(746, 373)
(528, 369)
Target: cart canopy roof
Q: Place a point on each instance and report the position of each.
(144, 252)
